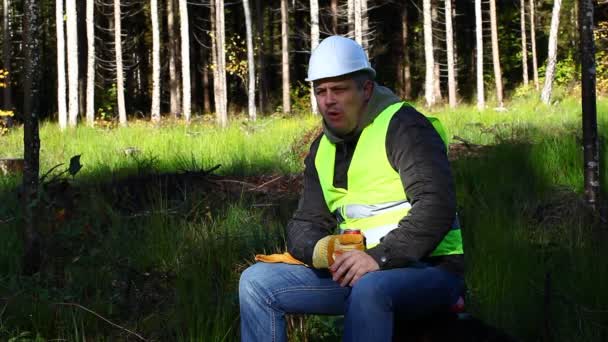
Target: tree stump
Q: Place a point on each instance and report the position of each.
(11, 166)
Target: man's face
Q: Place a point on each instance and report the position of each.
(342, 102)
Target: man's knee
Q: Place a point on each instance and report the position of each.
(367, 292)
(251, 282)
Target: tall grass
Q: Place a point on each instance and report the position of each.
(167, 266)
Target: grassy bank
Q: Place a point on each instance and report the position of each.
(163, 260)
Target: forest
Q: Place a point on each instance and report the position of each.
(149, 149)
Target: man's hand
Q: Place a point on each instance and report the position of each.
(350, 266)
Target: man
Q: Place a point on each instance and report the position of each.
(380, 167)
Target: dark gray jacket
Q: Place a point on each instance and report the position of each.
(416, 151)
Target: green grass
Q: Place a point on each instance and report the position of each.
(165, 263)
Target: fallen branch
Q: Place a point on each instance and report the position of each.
(102, 318)
(266, 183)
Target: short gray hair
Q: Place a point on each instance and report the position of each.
(360, 77)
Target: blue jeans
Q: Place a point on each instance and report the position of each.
(268, 291)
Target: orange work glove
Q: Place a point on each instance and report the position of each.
(329, 247)
(274, 258)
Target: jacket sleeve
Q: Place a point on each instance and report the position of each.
(416, 151)
(312, 219)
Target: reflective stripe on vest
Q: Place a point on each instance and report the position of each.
(375, 201)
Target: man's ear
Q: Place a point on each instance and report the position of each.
(368, 89)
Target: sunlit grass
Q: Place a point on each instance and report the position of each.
(183, 258)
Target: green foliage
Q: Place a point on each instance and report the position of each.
(601, 57)
(565, 71)
(107, 102)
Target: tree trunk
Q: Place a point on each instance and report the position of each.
(72, 42)
(524, 42)
(173, 84)
(481, 103)
(591, 148)
(90, 103)
(250, 63)
(334, 16)
(31, 140)
(496, 54)
(155, 108)
(449, 35)
(436, 67)
(120, 83)
(6, 51)
(365, 25)
(429, 93)
(185, 48)
(314, 41)
(351, 17)
(221, 104)
(206, 97)
(358, 22)
(261, 58)
(61, 91)
(533, 41)
(405, 75)
(552, 57)
(285, 56)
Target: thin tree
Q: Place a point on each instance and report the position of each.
(314, 41)
(185, 49)
(120, 83)
(6, 55)
(524, 43)
(405, 74)
(496, 53)
(90, 103)
(221, 102)
(72, 44)
(358, 22)
(334, 16)
(250, 63)
(285, 56)
(591, 149)
(365, 25)
(429, 93)
(481, 103)
(449, 38)
(350, 16)
(545, 96)
(173, 83)
(61, 91)
(31, 141)
(533, 42)
(155, 109)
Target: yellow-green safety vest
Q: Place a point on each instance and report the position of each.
(375, 201)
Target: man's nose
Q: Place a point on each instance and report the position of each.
(330, 98)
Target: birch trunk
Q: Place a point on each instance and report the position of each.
(358, 22)
(72, 44)
(120, 83)
(314, 41)
(533, 41)
(222, 112)
(351, 17)
(552, 57)
(334, 16)
(262, 88)
(429, 93)
(6, 51)
(185, 49)
(31, 141)
(449, 37)
(61, 91)
(481, 103)
(155, 108)
(496, 54)
(174, 102)
(436, 68)
(365, 25)
(406, 72)
(90, 101)
(216, 94)
(591, 148)
(285, 56)
(250, 63)
(524, 42)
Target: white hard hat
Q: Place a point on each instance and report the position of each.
(337, 56)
